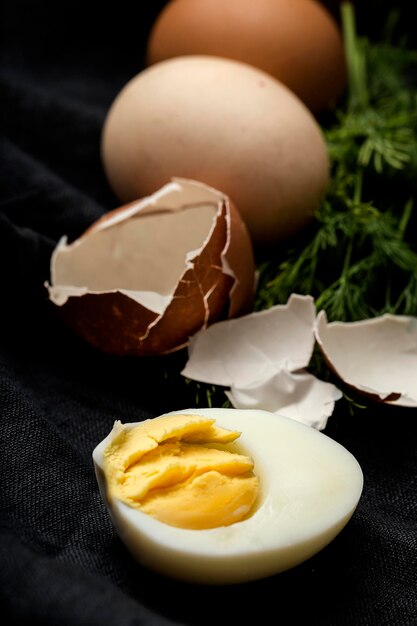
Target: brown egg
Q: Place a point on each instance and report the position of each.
(228, 125)
(146, 277)
(296, 41)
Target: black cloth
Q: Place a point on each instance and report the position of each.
(61, 562)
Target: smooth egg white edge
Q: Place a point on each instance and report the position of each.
(310, 486)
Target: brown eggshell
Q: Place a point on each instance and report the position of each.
(296, 41)
(217, 280)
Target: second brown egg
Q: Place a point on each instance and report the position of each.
(296, 41)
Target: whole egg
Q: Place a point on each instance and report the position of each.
(297, 41)
(309, 487)
(228, 125)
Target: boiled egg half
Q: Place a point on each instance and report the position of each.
(221, 496)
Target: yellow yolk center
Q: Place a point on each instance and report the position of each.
(177, 469)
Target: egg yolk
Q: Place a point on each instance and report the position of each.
(178, 470)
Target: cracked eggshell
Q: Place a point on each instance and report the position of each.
(377, 357)
(147, 276)
(228, 125)
(243, 351)
(310, 486)
(298, 395)
(262, 357)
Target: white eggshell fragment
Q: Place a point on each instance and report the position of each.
(145, 277)
(254, 346)
(261, 357)
(377, 357)
(310, 487)
(298, 395)
(226, 124)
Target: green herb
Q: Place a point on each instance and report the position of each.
(360, 257)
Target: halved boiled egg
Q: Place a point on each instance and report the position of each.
(220, 496)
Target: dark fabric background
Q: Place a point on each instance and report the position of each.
(61, 562)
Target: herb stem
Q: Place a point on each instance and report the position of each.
(346, 263)
(358, 93)
(357, 195)
(405, 218)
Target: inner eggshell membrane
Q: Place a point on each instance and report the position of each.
(377, 356)
(137, 255)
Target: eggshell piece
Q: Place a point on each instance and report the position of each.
(228, 125)
(310, 487)
(377, 356)
(298, 395)
(261, 356)
(255, 346)
(296, 41)
(146, 277)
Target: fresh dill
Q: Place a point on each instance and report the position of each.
(359, 259)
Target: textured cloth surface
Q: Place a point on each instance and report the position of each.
(61, 562)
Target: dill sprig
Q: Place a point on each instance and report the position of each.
(360, 257)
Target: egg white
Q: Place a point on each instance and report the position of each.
(310, 486)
